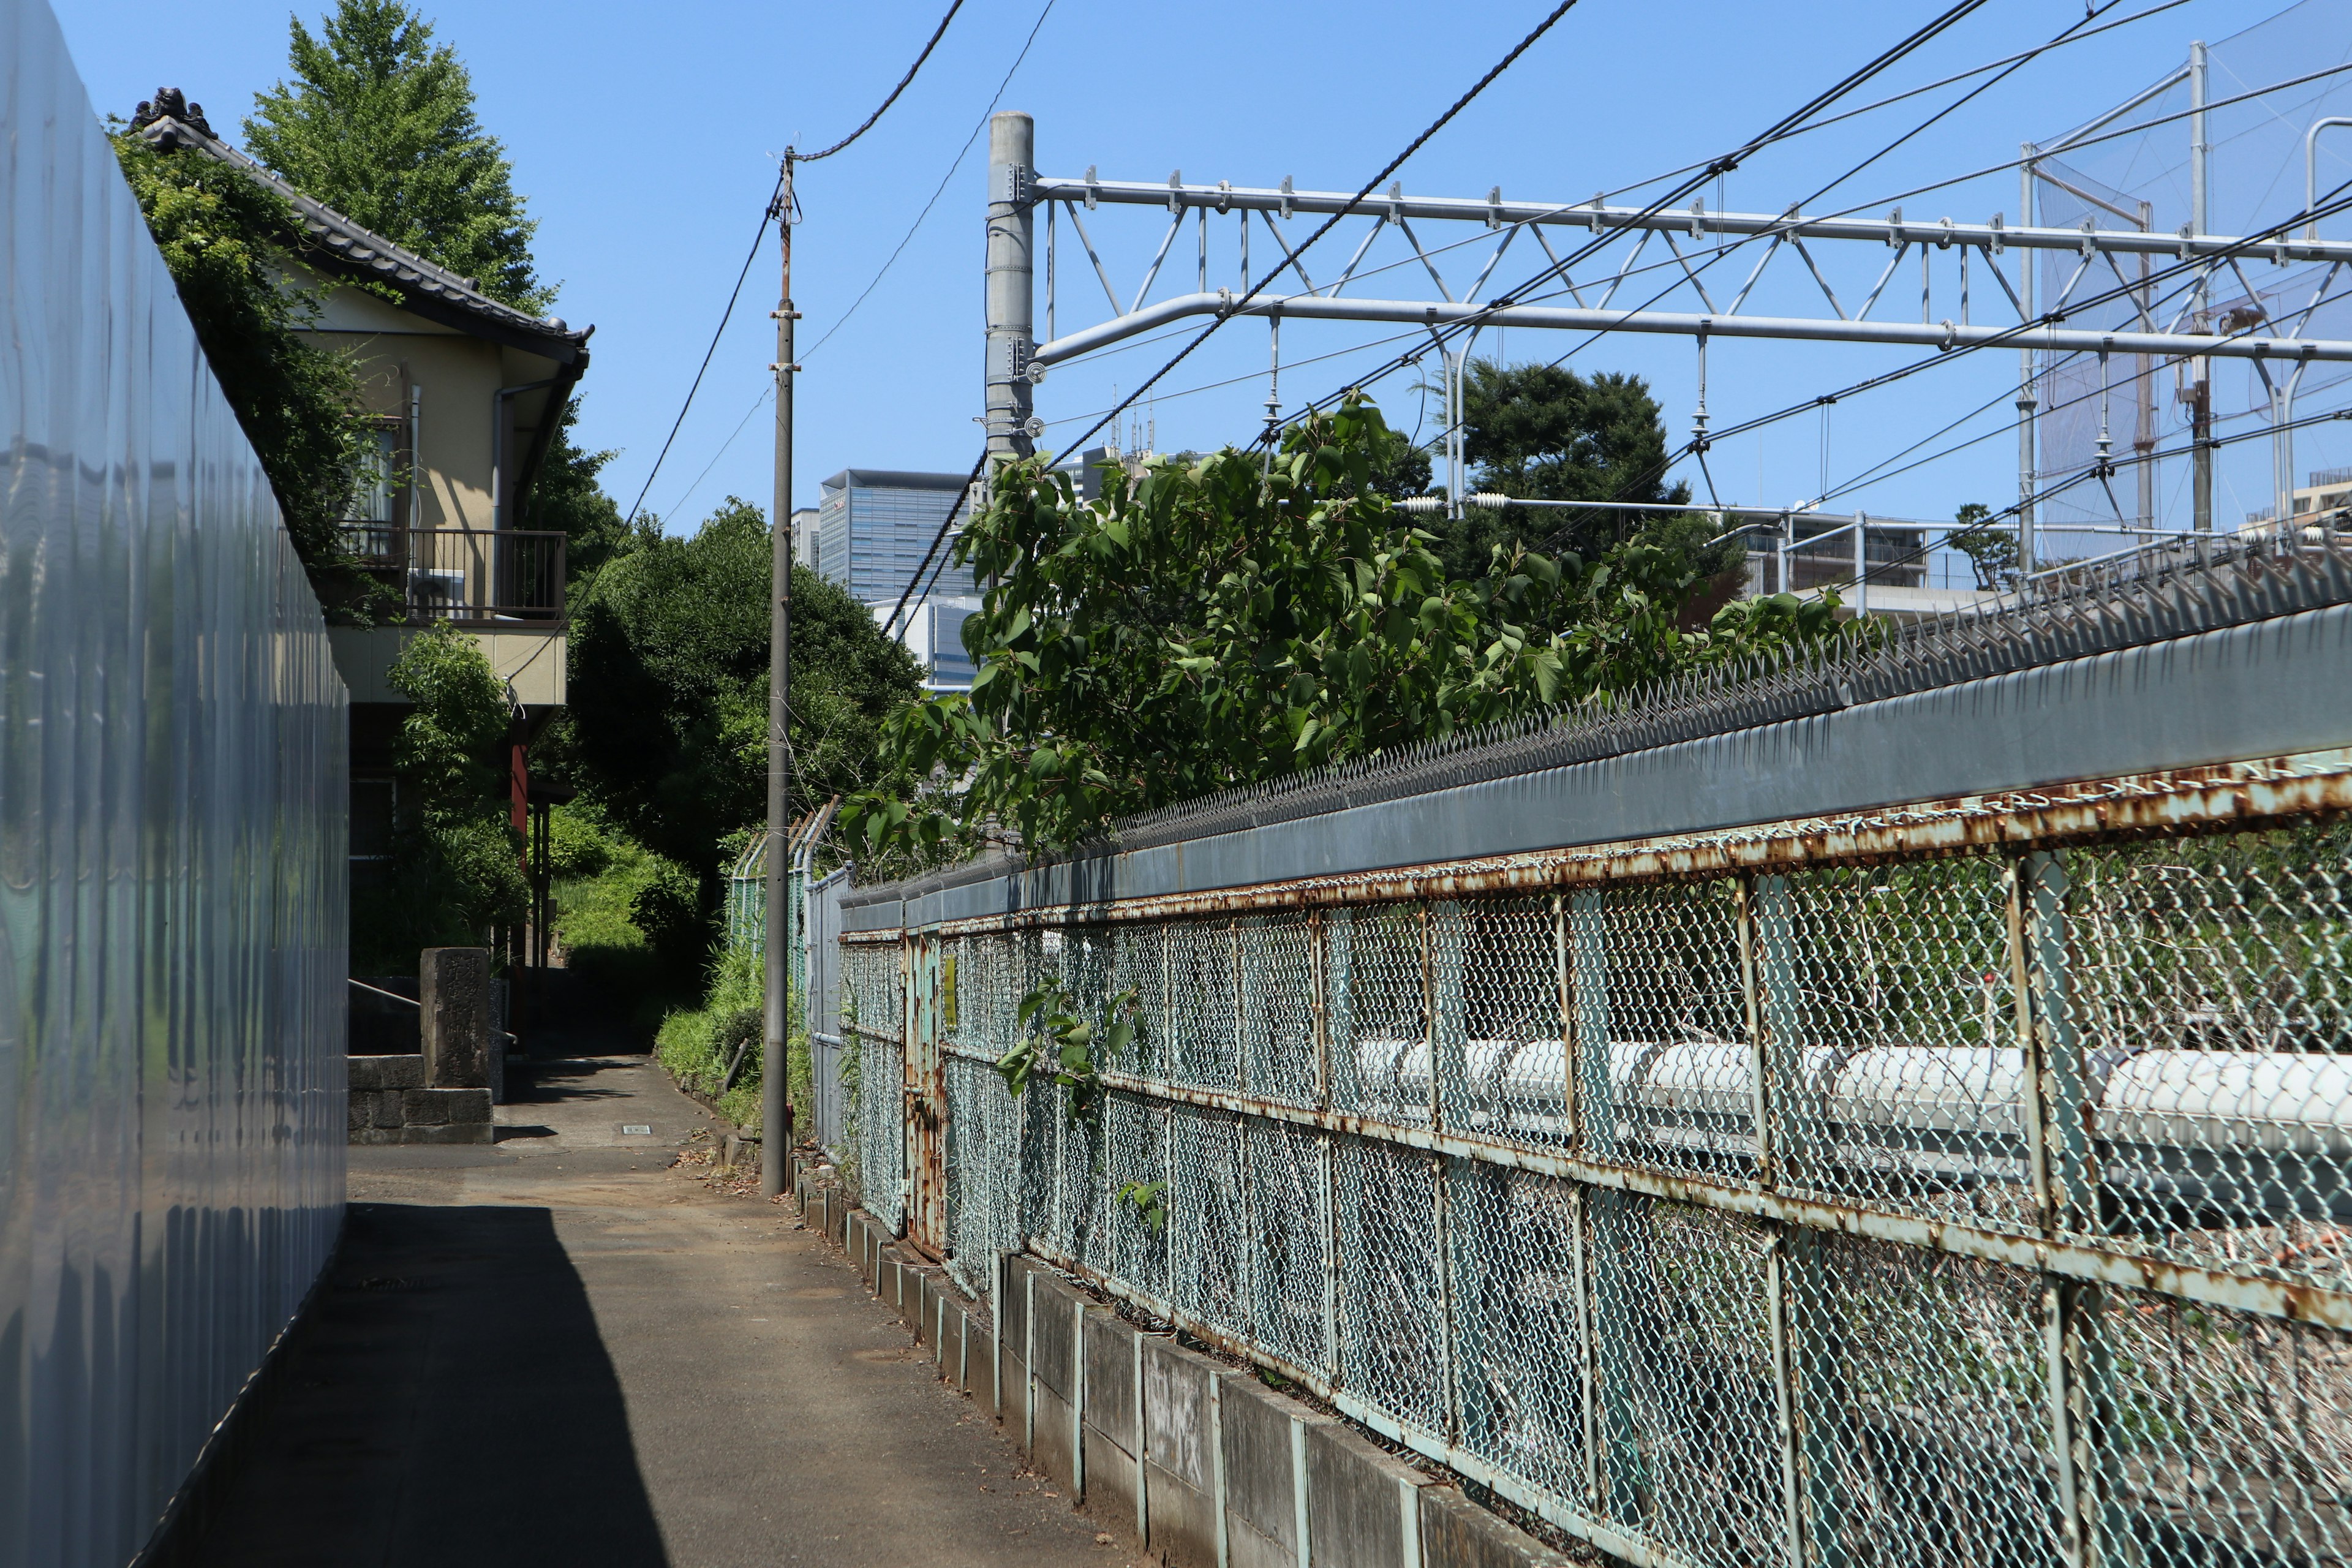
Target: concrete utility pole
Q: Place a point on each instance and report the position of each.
(775, 1105)
(1011, 162)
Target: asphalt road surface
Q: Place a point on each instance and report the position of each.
(562, 1350)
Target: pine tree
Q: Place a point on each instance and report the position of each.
(378, 123)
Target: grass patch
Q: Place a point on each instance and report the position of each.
(697, 1044)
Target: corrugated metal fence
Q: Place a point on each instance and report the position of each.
(172, 905)
(1894, 1110)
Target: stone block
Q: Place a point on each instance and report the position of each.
(377, 1135)
(386, 1072)
(443, 1107)
(1457, 1533)
(1110, 1352)
(460, 1132)
(385, 1108)
(453, 987)
(1361, 1502)
(1261, 1482)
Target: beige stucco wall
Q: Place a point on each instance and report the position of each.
(533, 660)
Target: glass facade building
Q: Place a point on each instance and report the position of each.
(874, 526)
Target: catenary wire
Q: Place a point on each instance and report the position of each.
(1601, 241)
(1459, 104)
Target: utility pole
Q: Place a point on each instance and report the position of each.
(775, 1104)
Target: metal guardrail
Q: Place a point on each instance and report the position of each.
(1965, 1181)
(472, 576)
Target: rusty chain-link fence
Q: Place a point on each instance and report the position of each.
(1959, 1181)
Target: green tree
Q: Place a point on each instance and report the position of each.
(568, 498)
(1991, 551)
(668, 718)
(1216, 624)
(1548, 434)
(222, 238)
(379, 123)
(456, 866)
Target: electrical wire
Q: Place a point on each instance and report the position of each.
(1459, 104)
(908, 237)
(1782, 131)
(810, 353)
(772, 213)
(904, 82)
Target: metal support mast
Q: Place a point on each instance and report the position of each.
(2200, 386)
(775, 1103)
(1011, 165)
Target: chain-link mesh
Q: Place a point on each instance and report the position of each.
(1498, 1175)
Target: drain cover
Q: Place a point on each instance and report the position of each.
(639, 1128)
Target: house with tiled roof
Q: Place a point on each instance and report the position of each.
(469, 394)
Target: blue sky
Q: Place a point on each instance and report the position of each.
(646, 140)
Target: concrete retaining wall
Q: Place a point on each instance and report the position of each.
(1198, 1461)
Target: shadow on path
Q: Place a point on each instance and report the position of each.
(449, 1402)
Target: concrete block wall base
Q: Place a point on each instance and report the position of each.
(390, 1102)
(1198, 1461)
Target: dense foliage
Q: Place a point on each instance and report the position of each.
(456, 868)
(1546, 433)
(1217, 624)
(298, 400)
(569, 498)
(379, 123)
(668, 722)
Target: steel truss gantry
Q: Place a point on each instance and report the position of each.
(2196, 267)
(1987, 241)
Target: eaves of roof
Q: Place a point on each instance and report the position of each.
(430, 290)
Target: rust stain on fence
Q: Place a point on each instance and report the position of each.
(2214, 797)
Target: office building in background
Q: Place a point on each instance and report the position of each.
(874, 527)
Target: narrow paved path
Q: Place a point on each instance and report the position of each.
(560, 1350)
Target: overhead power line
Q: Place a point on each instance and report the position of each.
(772, 214)
(904, 82)
(1788, 126)
(1459, 104)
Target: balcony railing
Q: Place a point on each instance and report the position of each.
(472, 576)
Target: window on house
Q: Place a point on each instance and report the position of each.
(368, 525)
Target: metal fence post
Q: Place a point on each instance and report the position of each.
(1580, 1242)
(1442, 940)
(2056, 1102)
(1588, 1042)
(1326, 1218)
(1784, 1391)
(1571, 1115)
(1759, 1052)
(1788, 1415)
(1780, 1036)
(2061, 1078)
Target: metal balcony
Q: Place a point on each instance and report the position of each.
(474, 577)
